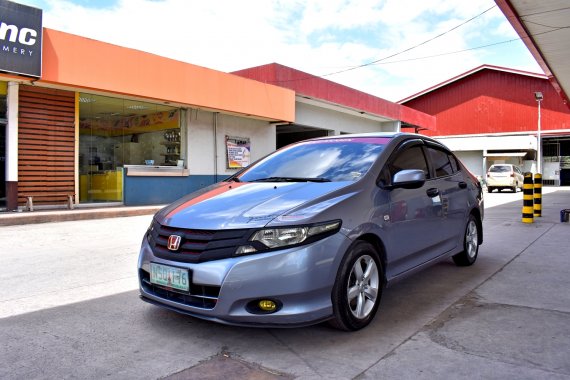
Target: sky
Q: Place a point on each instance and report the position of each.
(388, 48)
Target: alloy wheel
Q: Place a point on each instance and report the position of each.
(363, 287)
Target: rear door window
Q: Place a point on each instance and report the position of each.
(454, 165)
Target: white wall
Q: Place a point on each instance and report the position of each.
(551, 171)
(473, 160)
(470, 143)
(337, 122)
(200, 136)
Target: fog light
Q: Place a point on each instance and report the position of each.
(267, 305)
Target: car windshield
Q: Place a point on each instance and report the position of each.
(500, 169)
(326, 160)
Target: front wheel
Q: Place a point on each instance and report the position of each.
(358, 288)
(470, 244)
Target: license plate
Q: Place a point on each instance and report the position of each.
(172, 277)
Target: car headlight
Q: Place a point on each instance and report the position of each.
(283, 237)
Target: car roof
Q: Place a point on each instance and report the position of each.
(397, 136)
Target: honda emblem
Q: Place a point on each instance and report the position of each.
(174, 242)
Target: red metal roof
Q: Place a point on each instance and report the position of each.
(317, 88)
(468, 73)
(490, 100)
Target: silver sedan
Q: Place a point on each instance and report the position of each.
(313, 232)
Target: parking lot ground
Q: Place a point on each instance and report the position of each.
(69, 308)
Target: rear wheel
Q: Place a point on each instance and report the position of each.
(490, 189)
(358, 288)
(470, 244)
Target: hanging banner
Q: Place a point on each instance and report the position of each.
(238, 152)
(20, 39)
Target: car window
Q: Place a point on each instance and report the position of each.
(500, 169)
(410, 158)
(454, 164)
(440, 161)
(328, 159)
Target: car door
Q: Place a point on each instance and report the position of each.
(414, 214)
(448, 178)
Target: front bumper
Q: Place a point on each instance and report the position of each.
(300, 279)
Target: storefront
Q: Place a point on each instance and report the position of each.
(137, 129)
(91, 123)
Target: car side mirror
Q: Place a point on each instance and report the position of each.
(409, 179)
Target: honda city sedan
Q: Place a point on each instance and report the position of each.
(313, 232)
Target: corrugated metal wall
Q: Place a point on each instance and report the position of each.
(491, 101)
(46, 133)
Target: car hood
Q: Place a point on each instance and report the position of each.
(234, 205)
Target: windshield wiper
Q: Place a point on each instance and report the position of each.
(292, 179)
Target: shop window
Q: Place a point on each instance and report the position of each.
(114, 133)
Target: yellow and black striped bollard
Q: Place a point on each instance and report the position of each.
(527, 210)
(537, 195)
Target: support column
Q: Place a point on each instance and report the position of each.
(12, 147)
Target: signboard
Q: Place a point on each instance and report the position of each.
(20, 39)
(238, 152)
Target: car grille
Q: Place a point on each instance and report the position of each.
(204, 297)
(196, 246)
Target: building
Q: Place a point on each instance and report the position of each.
(100, 124)
(491, 115)
(111, 125)
(323, 107)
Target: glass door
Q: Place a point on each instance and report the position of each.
(117, 132)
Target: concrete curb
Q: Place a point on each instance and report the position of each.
(47, 216)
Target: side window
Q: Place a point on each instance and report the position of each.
(454, 165)
(440, 161)
(411, 158)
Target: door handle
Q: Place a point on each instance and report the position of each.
(433, 192)
(462, 185)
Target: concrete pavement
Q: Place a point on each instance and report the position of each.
(69, 309)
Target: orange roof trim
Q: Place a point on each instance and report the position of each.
(75, 61)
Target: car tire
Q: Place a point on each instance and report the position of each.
(358, 288)
(490, 189)
(470, 244)
(514, 189)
